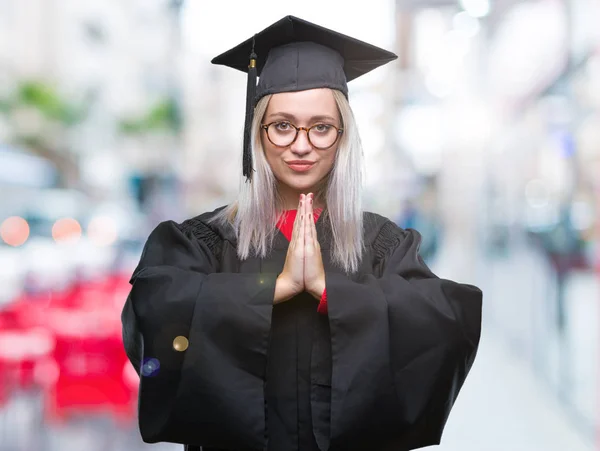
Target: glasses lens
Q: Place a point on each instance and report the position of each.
(281, 133)
(323, 136)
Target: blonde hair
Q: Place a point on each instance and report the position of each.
(259, 206)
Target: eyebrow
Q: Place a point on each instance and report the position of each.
(291, 117)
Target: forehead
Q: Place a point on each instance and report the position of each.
(303, 104)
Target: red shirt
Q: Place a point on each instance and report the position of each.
(286, 225)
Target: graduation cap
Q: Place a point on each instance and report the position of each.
(295, 55)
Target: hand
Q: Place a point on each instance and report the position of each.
(291, 280)
(314, 273)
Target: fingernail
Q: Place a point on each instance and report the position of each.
(310, 201)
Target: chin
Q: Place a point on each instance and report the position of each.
(299, 183)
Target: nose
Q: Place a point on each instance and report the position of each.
(302, 145)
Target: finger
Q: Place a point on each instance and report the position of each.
(315, 239)
(304, 205)
(308, 231)
(296, 229)
(301, 225)
(312, 218)
(307, 224)
(313, 226)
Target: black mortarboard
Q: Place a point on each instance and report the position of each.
(295, 55)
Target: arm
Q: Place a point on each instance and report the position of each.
(212, 392)
(403, 342)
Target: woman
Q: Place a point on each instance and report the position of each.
(291, 319)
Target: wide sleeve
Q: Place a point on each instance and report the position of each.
(198, 338)
(403, 341)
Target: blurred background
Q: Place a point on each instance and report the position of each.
(484, 135)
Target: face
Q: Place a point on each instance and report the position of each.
(302, 109)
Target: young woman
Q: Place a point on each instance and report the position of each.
(291, 319)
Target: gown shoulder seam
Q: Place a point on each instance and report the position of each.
(203, 232)
(387, 240)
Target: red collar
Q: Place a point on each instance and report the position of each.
(286, 221)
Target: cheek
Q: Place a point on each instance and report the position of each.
(328, 161)
(274, 159)
(271, 152)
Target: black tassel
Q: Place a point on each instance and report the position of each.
(250, 95)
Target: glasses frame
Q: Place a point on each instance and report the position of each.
(307, 130)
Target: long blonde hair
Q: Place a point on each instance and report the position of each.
(255, 213)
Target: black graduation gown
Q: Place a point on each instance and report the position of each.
(380, 372)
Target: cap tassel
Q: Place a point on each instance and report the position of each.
(250, 96)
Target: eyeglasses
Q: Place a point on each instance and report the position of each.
(320, 136)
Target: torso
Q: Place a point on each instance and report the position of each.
(298, 376)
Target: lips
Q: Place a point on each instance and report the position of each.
(298, 162)
(300, 166)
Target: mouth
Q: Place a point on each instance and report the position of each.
(300, 167)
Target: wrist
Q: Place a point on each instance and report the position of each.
(285, 289)
(317, 290)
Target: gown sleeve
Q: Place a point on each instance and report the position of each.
(403, 341)
(198, 338)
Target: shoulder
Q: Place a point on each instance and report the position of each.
(201, 228)
(201, 221)
(385, 237)
(378, 227)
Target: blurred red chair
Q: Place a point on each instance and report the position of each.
(90, 358)
(23, 342)
(69, 343)
(20, 351)
(4, 384)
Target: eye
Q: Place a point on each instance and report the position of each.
(283, 126)
(322, 128)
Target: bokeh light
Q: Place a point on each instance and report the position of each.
(150, 367)
(102, 231)
(14, 231)
(66, 230)
(476, 8)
